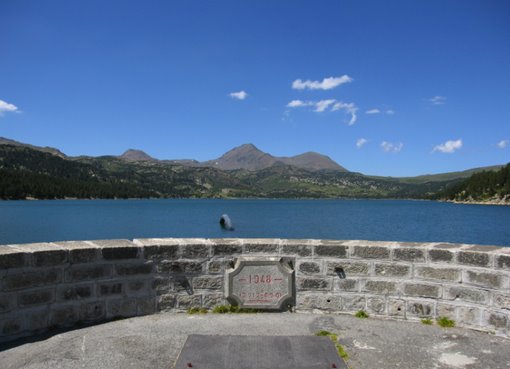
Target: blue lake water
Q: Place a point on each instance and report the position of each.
(391, 220)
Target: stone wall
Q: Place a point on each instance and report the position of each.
(66, 284)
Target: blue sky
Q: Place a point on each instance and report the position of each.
(394, 88)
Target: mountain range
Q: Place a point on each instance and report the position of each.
(28, 171)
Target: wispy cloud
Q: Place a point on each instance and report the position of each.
(503, 143)
(5, 107)
(326, 84)
(437, 100)
(390, 112)
(240, 95)
(449, 147)
(360, 142)
(331, 104)
(391, 147)
(373, 111)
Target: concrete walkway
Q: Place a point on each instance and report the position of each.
(155, 341)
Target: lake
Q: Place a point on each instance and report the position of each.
(388, 220)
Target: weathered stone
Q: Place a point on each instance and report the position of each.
(503, 262)
(392, 270)
(501, 301)
(74, 292)
(49, 257)
(346, 285)
(422, 290)
(319, 284)
(195, 251)
(260, 247)
(473, 258)
(219, 266)
(409, 254)
(37, 319)
(64, 316)
(88, 272)
(347, 268)
(397, 307)
(309, 267)
(209, 301)
(7, 302)
(376, 305)
(92, 311)
(36, 298)
(420, 309)
(161, 285)
(211, 283)
(105, 289)
(371, 252)
(468, 315)
(490, 280)
(497, 320)
(320, 301)
(466, 294)
(167, 302)
(179, 267)
(11, 326)
(121, 308)
(353, 302)
(331, 249)
(161, 252)
(34, 279)
(146, 306)
(11, 257)
(296, 248)
(189, 301)
(437, 256)
(227, 249)
(117, 253)
(137, 286)
(442, 274)
(133, 269)
(381, 287)
(80, 251)
(445, 310)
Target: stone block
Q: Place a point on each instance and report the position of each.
(77, 273)
(167, 302)
(36, 319)
(136, 287)
(441, 274)
(146, 306)
(11, 326)
(392, 270)
(161, 252)
(467, 294)
(309, 267)
(107, 289)
(64, 316)
(376, 305)
(348, 268)
(503, 262)
(372, 252)
(117, 249)
(226, 247)
(354, 302)
(319, 301)
(468, 315)
(332, 249)
(440, 256)
(11, 257)
(319, 284)
(162, 285)
(74, 292)
(479, 259)
(133, 269)
(445, 310)
(495, 320)
(219, 266)
(38, 278)
(7, 302)
(501, 300)
(409, 254)
(380, 287)
(121, 308)
(188, 301)
(92, 311)
(261, 246)
(80, 251)
(180, 267)
(485, 279)
(396, 308)
(45, 254)
(195, 251)
(211, 300)
(422, 290)
(208, 282)
(37, 297)
(350, 285)
(297, 248)
(420, 309)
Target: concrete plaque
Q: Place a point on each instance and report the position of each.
(261, 283)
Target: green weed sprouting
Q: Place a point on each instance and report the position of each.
(362, 314)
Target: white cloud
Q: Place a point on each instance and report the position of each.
(390, 112)
(503, 143)
(324, 105)
(390, 147)
(373, 111)
(360, 142)
(326, 84)
(241, 95)
(5, 107)
(449, 146)
(437, 100)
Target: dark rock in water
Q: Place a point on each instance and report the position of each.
(226, 223)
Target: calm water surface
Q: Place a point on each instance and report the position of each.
(392, 220)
